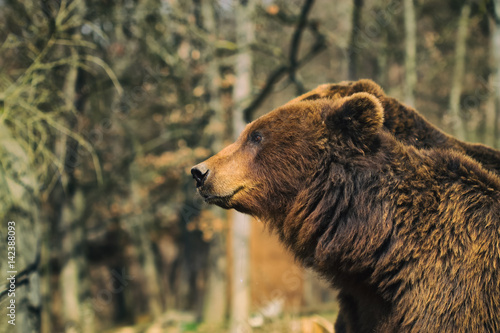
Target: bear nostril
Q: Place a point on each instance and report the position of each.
(199, 175)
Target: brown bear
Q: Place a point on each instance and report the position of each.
(405, 123)
(410, 237)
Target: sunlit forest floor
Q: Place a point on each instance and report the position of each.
(184, 323)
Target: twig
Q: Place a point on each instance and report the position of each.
(296, 38)
(294, 62)
(33, 267)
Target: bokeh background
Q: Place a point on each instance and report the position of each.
(105, 105)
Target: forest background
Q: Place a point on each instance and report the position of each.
(105, 106)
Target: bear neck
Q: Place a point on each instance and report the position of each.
(341, 222)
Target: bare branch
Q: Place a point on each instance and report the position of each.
(296, 38)
(294, 63)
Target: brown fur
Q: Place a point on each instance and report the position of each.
(408, 126)
(410, 237)
(405, 123)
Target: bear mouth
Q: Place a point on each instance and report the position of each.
(220, 200)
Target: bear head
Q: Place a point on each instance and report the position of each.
(280, 153)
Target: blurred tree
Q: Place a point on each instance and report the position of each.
(458, 72)
(21, 242)
(493, 114)
(411, 52)
(240, 300)
(354, 43)
(39, 116)
(216, 296)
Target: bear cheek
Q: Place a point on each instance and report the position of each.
(245, 188)
(230, 174)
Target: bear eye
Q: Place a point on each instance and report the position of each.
(255, 137)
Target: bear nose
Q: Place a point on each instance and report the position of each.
(199, 173)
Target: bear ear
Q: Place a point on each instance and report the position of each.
(367, 85)
(359, 116)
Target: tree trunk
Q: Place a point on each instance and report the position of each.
(382, 61)
(493, 114)
(240, 295)
(70, 284)
(142, 241)
(19, 205)
(215, 302)
(72, 207)
(458, 126)
(353, 51)
(411, 52)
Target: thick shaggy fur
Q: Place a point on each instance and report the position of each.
(405, 123)
(410, 127)
(410, 237)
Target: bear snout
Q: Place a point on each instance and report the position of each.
(200, 173)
